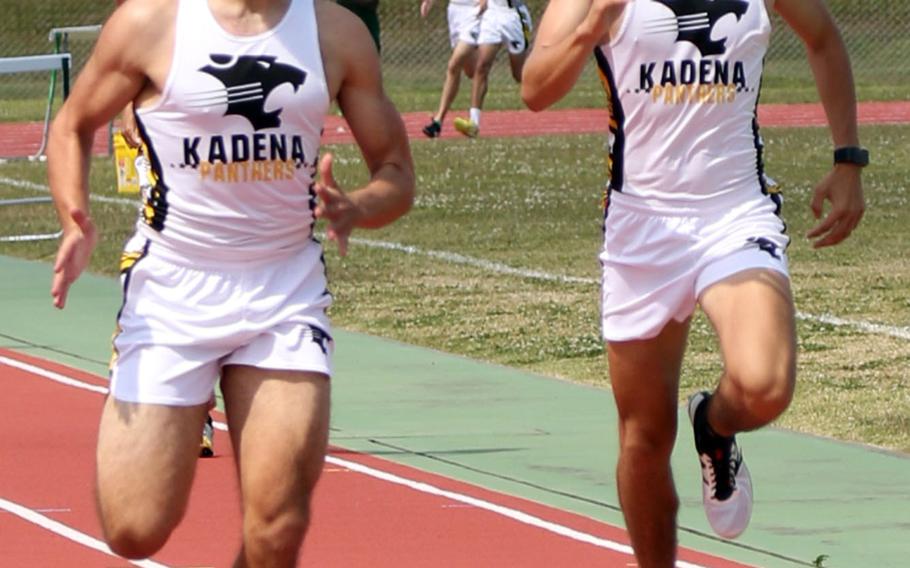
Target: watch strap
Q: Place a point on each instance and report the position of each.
(851, 155)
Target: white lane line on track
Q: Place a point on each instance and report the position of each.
(63, 379)
(499, 268)
(864, 326)
(24, 184)
(455, 258)
(68, 532)
(32, 515)
(420, 486)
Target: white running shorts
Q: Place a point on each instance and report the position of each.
(464, 23)
(511, 26)
(657, 264)
(181, 322)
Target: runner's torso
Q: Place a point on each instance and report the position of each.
(682, 80)
(233, 140)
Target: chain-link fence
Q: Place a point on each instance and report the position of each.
(877, 33)
(24, 30)
(415, 52)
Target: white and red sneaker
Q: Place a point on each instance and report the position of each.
(727, 486)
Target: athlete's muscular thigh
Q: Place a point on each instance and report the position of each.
(279, 423)
(146, 459)
(753, 314)
(644, 377)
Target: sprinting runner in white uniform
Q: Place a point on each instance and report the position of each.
(690, 218)
(686, 110)
(464, 18)
(232, 146)
(223, 279)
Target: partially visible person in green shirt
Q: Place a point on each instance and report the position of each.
(368, 11)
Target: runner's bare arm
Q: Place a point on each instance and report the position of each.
(830, 64)
(355, 81)
(425, 6)
(569, 31)
(128, 126)
(113, 75)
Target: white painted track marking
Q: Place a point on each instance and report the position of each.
(499, 268)
(68, 532)
(420, 486)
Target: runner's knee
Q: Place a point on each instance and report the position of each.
(275, 536)
(137, 538)
(769, 401)
(454, 67)
(646, 441)
(764, 394)
(484, 66)
(458, 63)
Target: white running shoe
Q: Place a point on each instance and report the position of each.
(726, 487)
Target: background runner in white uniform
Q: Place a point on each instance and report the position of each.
(464, 17)
(224, 276)
(690, 218)
(505, 22)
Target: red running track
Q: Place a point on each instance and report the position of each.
(23, 139)
(368, 512)
(583, 121)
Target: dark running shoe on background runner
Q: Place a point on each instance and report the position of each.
(433, 129)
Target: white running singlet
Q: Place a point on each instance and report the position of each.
(234, 138)
(682, 80)
(224, 269)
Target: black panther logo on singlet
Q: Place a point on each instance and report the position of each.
(236, 156)
(695, 20)
(248, 81)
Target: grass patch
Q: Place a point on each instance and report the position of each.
(533, 204)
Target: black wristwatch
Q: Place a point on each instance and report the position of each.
(852, 155)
